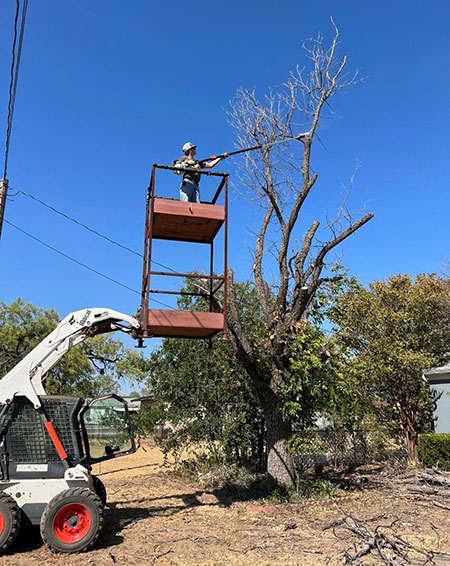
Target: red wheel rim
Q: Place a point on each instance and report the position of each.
(72, 523)
(2, 523)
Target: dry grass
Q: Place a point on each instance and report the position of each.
(154, 518)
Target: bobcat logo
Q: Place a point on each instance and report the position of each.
(85, 318)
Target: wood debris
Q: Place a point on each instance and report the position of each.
(383, 541)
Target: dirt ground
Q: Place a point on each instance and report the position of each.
(153, 518)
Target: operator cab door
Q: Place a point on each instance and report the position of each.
(106, 428)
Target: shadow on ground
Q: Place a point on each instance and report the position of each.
(28, 539)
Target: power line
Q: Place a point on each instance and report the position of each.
(80, 263)
(96, 232)
(71, 258)
(67, 217)
(11, 89)
(15, 65)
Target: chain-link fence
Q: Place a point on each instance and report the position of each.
(336, 448)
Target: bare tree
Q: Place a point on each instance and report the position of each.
(280, 182)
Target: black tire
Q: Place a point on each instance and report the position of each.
(10, 517)
(100, 489)
(72, 521)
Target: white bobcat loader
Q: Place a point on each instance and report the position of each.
(49, 443)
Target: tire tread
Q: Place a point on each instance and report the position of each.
(16, 517)
(73, 492)
(100, 489)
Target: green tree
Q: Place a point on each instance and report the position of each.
(391, 332)
(205, 392)
(22, 326)
(315, 387)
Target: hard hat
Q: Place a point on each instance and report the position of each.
(187, 146)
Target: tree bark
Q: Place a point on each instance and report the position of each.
(280, 464)
(411, 442)
(410, 435)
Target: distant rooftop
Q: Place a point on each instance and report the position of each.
(135, 403)
(439, 373)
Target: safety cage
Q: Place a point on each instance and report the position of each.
(88, 431)
(197, 223)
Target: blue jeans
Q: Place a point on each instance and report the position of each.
(189, 191)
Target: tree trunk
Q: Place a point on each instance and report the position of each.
(280, 463)
(411, 444)
(409, 429)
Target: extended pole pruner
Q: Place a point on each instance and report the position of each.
(261, 146)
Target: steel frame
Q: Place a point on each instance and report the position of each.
(147, 272)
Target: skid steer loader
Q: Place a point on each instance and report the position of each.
(49, 443)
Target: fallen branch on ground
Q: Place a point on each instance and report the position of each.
(383, 541)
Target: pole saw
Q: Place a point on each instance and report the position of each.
(247, 149)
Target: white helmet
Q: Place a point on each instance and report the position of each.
(187, 146)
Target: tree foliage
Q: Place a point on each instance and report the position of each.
(391, 332)
(22, 327)
(315, 387)
(205, 394)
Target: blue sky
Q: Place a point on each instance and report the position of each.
(108, 87)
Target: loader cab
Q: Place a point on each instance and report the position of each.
(106, 429)
(89, 432)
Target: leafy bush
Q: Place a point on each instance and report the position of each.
(434, 450)
(231, 482)
(144, 422)
(305, 488)
(317, 488)
(206, 397)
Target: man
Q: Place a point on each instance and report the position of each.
(190, 190)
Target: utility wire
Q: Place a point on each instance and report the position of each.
(50, 207)
(82, 264)
(110, 240)
(15, 65)
(71, 258)
(11, 88)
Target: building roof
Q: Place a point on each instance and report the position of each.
(135, 403)
(440, 373)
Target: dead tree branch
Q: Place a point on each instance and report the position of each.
(383, 541)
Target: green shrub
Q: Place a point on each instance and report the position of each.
(316, 488)
(434, 450)
(305, 488)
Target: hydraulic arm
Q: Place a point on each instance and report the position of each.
(26, 378)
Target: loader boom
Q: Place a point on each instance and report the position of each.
(26, 378)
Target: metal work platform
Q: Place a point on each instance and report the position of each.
(182, 324)
(186, 221)
(170, 219)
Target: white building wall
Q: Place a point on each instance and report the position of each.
(442, 413)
